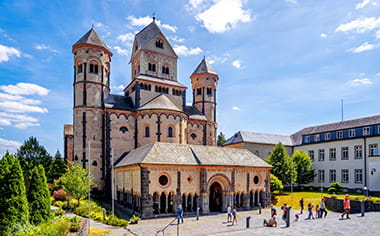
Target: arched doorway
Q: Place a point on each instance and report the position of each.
(163, 203)
(156, 198)
(251, 200)
(215, 201)
(257, 198)
(170, 202)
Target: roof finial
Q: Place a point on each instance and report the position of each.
(204, 57)
(154, 16)
(92, 26)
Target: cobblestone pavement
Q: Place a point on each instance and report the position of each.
(217, 225)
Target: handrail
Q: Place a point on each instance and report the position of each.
(130, 231)
(166, 226)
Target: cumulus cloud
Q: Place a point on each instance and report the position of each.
(185, 51)
(7, 52)
(213, 59)
(118, 89)
(19, 107)
(323, 35)
(19, 121)
(235, 108)
(176, 39)
(5, 96)
(219, 16)
(237, 64)
(358, 82)
(360, 25)
(378, 34)
(362, 4)
(45, 47)
(9, 145)
(127, 39)
(121, 51)
(364, 47)
(146, 20)
(24, 89)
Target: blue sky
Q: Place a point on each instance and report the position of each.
(283, 65)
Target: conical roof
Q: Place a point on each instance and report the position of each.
(91, 37)
(204, 67)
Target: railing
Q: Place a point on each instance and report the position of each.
(166, 226)
(130, 231)
(83, 231)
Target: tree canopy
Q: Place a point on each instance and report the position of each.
(221, 139)
(282, 164)
(303, 164)
(56, 169)
(13, 201)
(275, 183)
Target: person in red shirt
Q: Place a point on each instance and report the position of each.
(346, 206)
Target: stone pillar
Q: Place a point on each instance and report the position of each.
(205, 203)
(245, 203)
(146, 199)
(204, 198)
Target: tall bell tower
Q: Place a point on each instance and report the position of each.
(204, 81)
(92, 60)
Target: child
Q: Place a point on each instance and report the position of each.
(317, 211)
(296, 218)
(234, 215)
(310, 210)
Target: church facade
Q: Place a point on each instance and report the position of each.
(117, 130)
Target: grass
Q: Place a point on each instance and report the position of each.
(293, 199)
(98, 232)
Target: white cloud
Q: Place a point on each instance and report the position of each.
(362, 4)
(237, 64)
(213, 59)
(99, 24)
(235, 108)
(24, 89)
(220, 15)
(19, 121)
(9, 145)
(364, 47)
(127, 39)
(378, 34)
(118, 89)
(7, 52)
(146, 20)
(176, 39)
(185, 51)
(358, 82)
(18, 107)
(291, 1)
(121, 51)
(44, 47)
(25, 125)
(323, 35)
(360, 25)
(5, 96)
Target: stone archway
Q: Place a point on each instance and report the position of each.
(216, 197)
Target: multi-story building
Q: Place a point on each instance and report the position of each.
(345, 152)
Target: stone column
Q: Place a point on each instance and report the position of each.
(245, 203)
(205, 203)
(146, 198)
(204, 198)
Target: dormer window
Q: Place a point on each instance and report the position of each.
(165, 70)
(159, 43)
(79, 68)
(94, 68)
(152, 67)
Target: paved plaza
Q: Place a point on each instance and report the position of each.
(217, 225)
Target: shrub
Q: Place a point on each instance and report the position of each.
(116, 222)
(332, 190)
(134, 219)
(338, 186)
(60, 195)
(59, 212)
(58, 204)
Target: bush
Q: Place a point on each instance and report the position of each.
(74, 225)
(134, 219)
(58, 226)
(332, 190)
(59, 212)
(116, 222)
(58, 204)
(338, 186)
(60, 195)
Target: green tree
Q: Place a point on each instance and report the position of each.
(221, 139)
(282, 165)
(31, 154)
(57, 168)
(75, 181)
(13, 201)
(303, 164)
(275, 183)
(39, 196)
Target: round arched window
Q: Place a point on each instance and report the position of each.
(163, 180)
(256, 179)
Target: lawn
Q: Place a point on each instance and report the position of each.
(98, 232)
(293, 199)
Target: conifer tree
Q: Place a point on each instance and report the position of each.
(13, 201)
(39, 196)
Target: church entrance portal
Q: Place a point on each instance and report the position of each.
(215, 202)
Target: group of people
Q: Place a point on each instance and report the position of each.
(231, 215)
(320, 210)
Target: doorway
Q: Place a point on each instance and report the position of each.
(215, 201)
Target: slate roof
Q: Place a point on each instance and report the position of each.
(91, 37)
(147, 34)
(253, 137)
(160, 80)
(193, 113)
(185, 154)
(161, 101)
(119, 102)
(360, 122)
(204, 67)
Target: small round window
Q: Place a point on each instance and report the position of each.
(256, 179)
(163, 180)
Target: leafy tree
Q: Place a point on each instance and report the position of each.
(335, 187)
(275, 183)
(303, 165)
(282, 164)
(39, 196)
(31, 154)
(75, 181)
(13, 202)
(221, 139)
(57, 168)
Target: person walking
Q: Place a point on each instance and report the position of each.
(234, 215)
(317, 215)
(180, 214)
(310, 210)
(323, 208)
(301, 205)
(229, 214)
(346, 206)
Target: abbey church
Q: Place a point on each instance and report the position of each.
(163, 151)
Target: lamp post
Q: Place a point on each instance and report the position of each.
(113, 186)
(365, 190)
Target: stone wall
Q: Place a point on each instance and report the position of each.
(337, 205)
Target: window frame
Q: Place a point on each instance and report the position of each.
(147, 132)
(358, 149)
(339, 134)
(345, 153)
(358, 175)
(320, 156)
(321, 176)
(344, 173)
(311, 155)
(327, 136)
(366, 131)
(351, 133)
(332, 173)
(332, 151)
(373, 150)
(170, 132)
